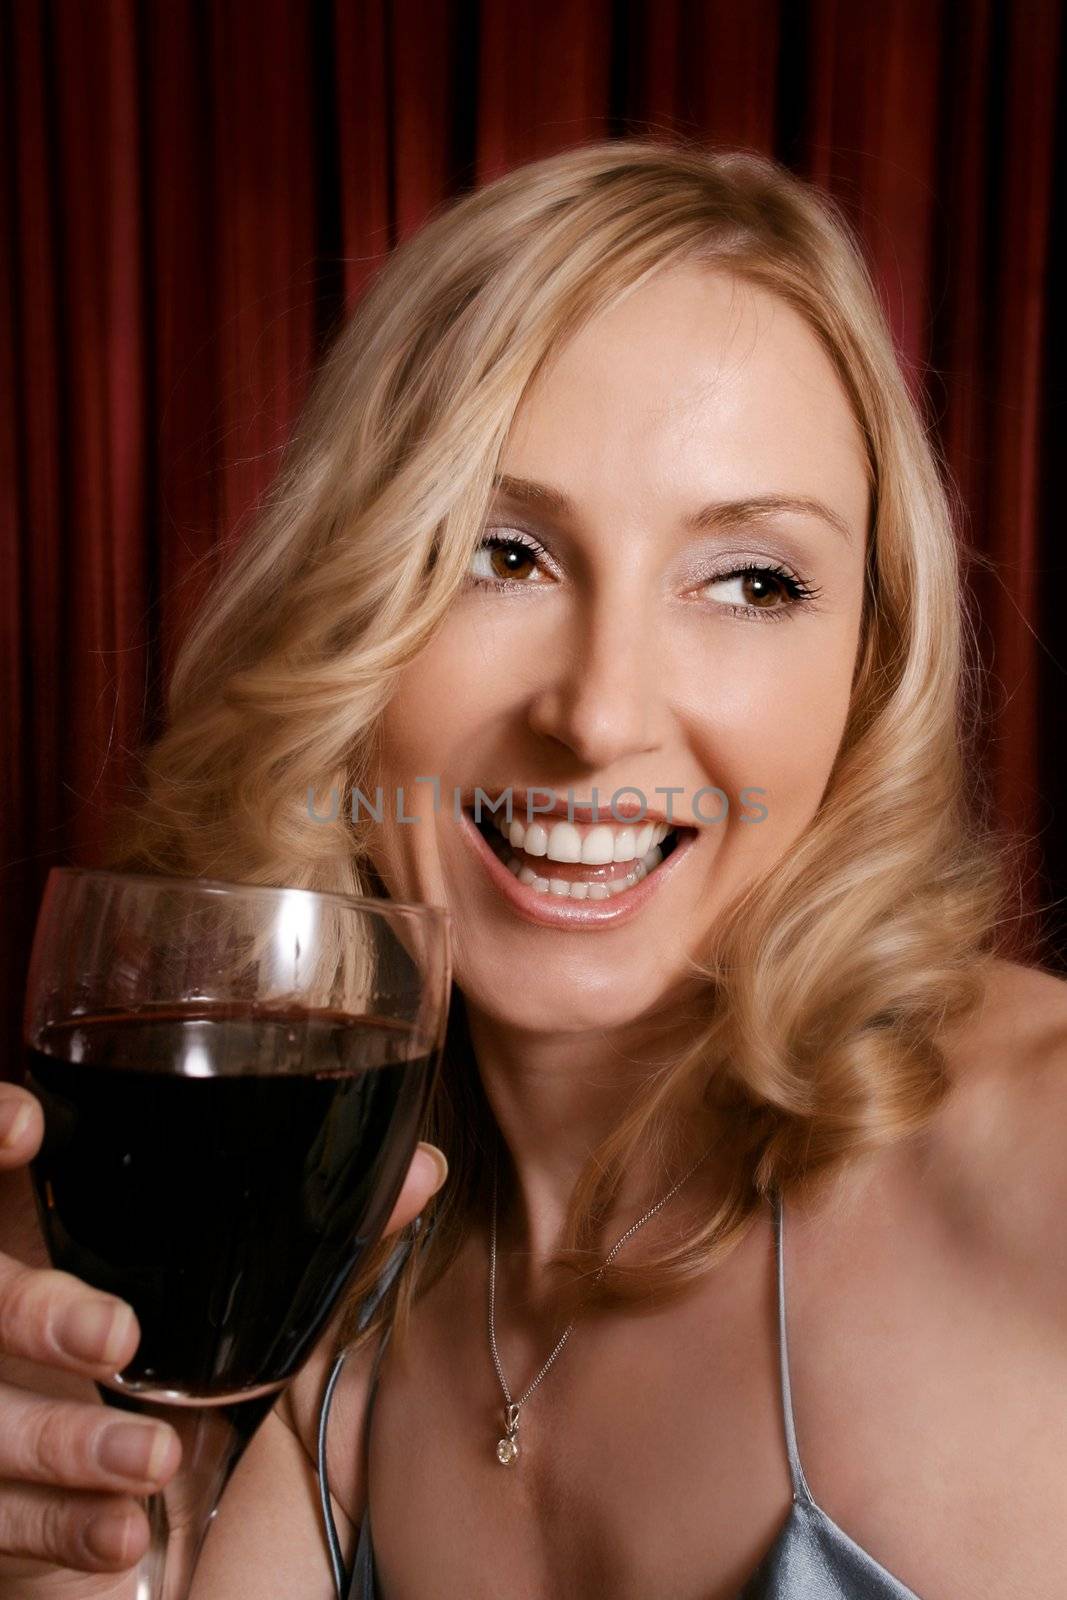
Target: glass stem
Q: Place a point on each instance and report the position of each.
(213, 1438)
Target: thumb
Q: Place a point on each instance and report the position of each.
(426, 1174)
(21, 1126)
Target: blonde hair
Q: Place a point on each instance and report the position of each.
(829, 978)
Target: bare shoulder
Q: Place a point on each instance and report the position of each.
(998, 1142)
(1009, 1057)
(300, 1408)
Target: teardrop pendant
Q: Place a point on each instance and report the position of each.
(508, 1448)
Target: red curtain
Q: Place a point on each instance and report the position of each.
(196, 192)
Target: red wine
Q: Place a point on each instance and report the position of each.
(224, 1174)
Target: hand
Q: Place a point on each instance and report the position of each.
(70, 1467)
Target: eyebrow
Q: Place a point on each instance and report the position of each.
(710, 518)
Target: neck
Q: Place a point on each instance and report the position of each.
(555, 1098)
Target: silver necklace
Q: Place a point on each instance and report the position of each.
(507, 1448)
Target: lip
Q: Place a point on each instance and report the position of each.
(626, 810)
(553, 911)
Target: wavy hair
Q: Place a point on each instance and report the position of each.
(829, 978)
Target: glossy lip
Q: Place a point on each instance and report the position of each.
(553, 911)
(629, 810)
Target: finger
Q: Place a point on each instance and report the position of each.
(21, 1126)
(89, 1532)
(83, 1446)
(55, 1318)
(426, 1174)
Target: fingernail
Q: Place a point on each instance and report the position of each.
(439, 1158)
(135, 1451)
(14, 1124)
(95, 1330)
(108, 1536)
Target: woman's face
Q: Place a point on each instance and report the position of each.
(669, 604)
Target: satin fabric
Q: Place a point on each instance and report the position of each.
(811, 1558)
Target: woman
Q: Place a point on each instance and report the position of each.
(613, 493)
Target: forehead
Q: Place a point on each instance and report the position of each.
(696, 383)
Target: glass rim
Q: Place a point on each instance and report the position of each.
(375, 903)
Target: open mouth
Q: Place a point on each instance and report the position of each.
(577, 861)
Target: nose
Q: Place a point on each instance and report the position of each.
(601, 697)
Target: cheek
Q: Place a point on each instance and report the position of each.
(776, 727)
(441, 701)
(434, 712)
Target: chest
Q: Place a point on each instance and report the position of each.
(930, 1421)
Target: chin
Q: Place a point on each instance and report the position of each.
(585, 999)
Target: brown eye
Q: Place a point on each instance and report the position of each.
(510, 561)
(761, 589)
(752, 589)
(503, 560)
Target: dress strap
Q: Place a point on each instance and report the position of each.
(366, 1311)
(333, 1544)
(796, 1471)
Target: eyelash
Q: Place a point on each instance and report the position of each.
(799, 592)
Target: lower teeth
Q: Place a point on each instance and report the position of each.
(570, 889)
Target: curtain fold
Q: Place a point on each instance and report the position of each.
(195, 194)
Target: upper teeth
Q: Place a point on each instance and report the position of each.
(593, 844)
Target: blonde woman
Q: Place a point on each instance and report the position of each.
(748, 1275)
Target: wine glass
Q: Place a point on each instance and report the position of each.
(233, 1080)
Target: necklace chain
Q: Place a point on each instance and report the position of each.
(507, 1448)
